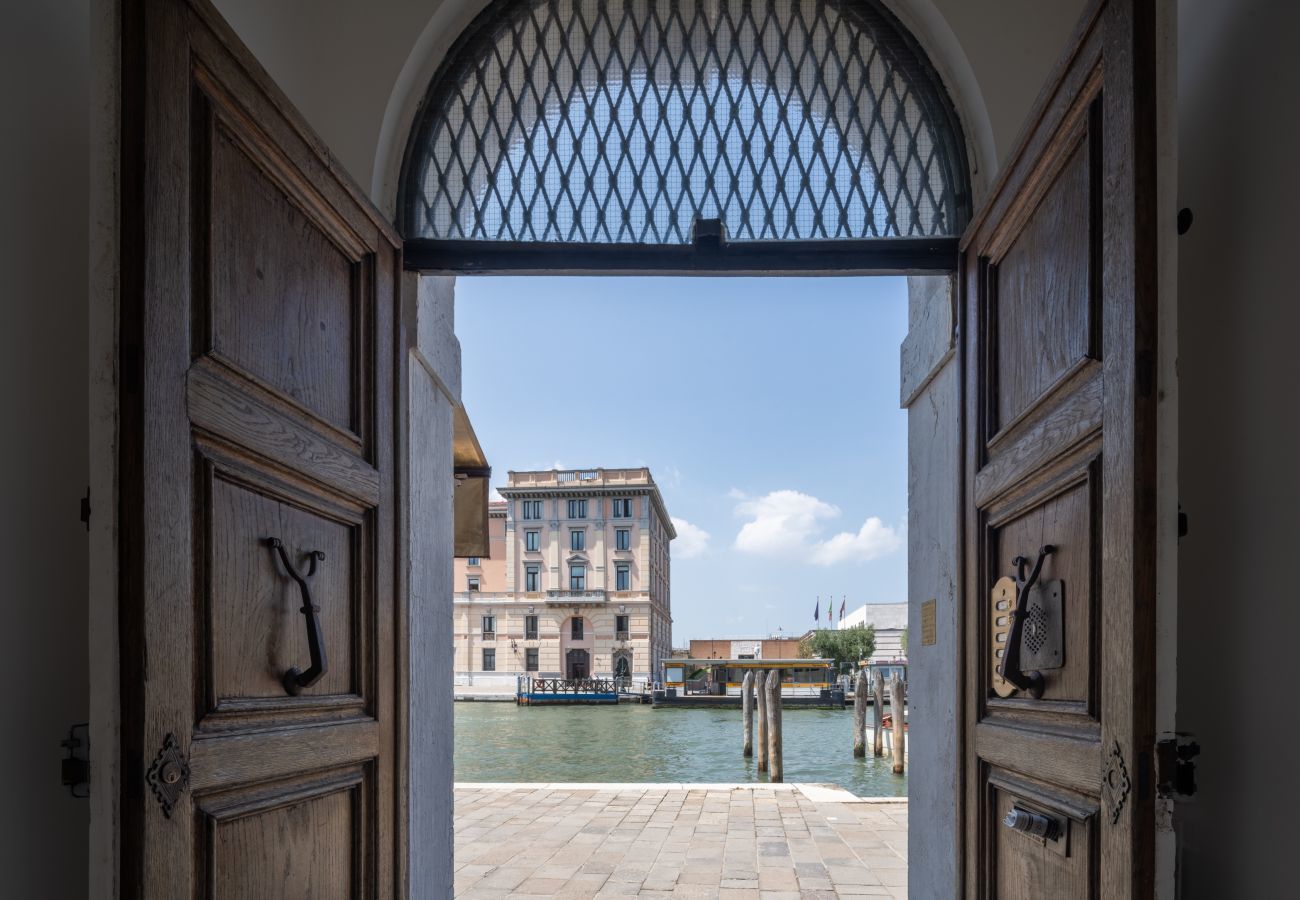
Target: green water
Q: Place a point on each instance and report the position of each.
(632, 742)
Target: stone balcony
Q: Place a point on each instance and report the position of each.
(587, 478)
(554, 598)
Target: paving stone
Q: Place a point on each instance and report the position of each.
(751, 843)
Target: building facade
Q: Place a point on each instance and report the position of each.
(745, 648)
(890, 622)
(581, 587)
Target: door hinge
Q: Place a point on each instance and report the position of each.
(76, 765)
(85, 508)
(1175, 771)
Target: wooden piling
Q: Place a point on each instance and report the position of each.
(775, 770)
(860, 714)
(759, 681)
(878, 718)
(896, 710)
(747, 711)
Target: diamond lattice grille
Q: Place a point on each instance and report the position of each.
(623, 121)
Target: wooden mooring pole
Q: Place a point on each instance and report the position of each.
(896, 710)
(759, 681)
(878, 718)
(775, 771)
(860, 714)
(747, 711)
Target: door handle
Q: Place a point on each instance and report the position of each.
(1030, 682)
(294, 679)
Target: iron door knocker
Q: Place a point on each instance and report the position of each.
(294, 679)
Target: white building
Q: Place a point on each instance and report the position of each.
(890, 622)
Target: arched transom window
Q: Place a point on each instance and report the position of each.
(627, 121)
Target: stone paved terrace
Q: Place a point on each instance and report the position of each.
(681, 840)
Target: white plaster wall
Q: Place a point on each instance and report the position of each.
(44, 184)
(1239, 437)
(931, 391)
(434, 388)
(338, 61)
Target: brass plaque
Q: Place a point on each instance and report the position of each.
(929, 614)
(1002, 605)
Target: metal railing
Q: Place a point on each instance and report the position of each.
(570, 686)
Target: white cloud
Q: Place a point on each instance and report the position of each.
(789, 524)
(780, 521)
(873, 540)
(691, 541)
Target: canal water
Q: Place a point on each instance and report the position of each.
(634, 742)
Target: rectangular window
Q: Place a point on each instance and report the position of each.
(578, 539)
(532, 509)
(530, 628)
(577, 578)
(474, 561)
(471, 583)
(622, 539)
(530, 659)
(620, 627)
(532, 579)
(623, 509)
(489, 626)
(532, 540)
(575, 628)
(622, 578)
(489, 659)
(577, 509)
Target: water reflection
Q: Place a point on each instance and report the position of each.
(630, 742)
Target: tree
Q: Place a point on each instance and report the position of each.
(839, 645)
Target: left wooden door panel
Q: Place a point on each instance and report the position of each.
(259, 344)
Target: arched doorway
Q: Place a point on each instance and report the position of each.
(690, 138)
(653, 134)
(622, 666)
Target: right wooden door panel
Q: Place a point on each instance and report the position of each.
(1059, 305)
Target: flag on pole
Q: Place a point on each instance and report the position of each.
(817, 613)
(843, 600)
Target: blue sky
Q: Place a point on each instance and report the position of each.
(766, 409)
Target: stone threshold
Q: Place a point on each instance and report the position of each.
(817, 793)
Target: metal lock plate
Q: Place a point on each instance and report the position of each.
(1042, 640)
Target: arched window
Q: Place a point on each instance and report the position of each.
(666, 123)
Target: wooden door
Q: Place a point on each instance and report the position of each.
(578, 665)
(260, 380)
(1058, 293)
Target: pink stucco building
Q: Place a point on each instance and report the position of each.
(578, 583)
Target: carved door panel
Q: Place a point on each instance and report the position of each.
(1059, 311)
(259, 384)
